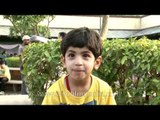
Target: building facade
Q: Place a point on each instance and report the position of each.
(119, 26)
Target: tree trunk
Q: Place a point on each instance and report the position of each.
(104, 29)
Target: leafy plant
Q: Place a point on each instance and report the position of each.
(13, 61)
(41, 67)
(132, 68)
(29, 24)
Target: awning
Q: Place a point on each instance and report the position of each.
(10, 49)
(148, 31)
(9, 46)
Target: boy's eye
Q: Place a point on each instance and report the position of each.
(86, 55)
(70, 55)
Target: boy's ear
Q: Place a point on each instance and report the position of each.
(63, 61)
(98, 62)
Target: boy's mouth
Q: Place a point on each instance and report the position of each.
(78, 70)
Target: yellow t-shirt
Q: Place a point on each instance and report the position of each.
(6, 71)
(100, 93)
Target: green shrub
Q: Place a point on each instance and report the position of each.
(41, 65)
(132, 68)
(13, 61)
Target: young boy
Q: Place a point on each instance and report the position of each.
(81, 53)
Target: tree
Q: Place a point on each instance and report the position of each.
(29, 24)
(104, 29)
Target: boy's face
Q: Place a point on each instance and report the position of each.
(80, 62)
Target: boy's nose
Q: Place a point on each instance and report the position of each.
(78, 61)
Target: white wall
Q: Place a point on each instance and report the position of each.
(123, 23)
(4, 30)
(66, 21)
(4, 21)
(150, 21)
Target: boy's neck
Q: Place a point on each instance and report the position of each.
(79, 86)
(79, 83)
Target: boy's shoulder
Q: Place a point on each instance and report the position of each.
(57, 84)
(100, 82)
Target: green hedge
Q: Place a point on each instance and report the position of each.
(41, 65)
(13, 61)
(132, 68)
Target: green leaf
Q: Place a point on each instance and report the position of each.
(133, 59)
(123, 59)
(46, 53)
(158, 68)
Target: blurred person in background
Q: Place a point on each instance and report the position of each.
(5, 76)
(26, 41)
(61, 35)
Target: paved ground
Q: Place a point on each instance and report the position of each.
(16, 99)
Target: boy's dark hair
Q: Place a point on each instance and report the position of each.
(2, 61)
(62, 34)
(83, 37)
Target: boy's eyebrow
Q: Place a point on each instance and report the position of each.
(87, 51)
(71, 51)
